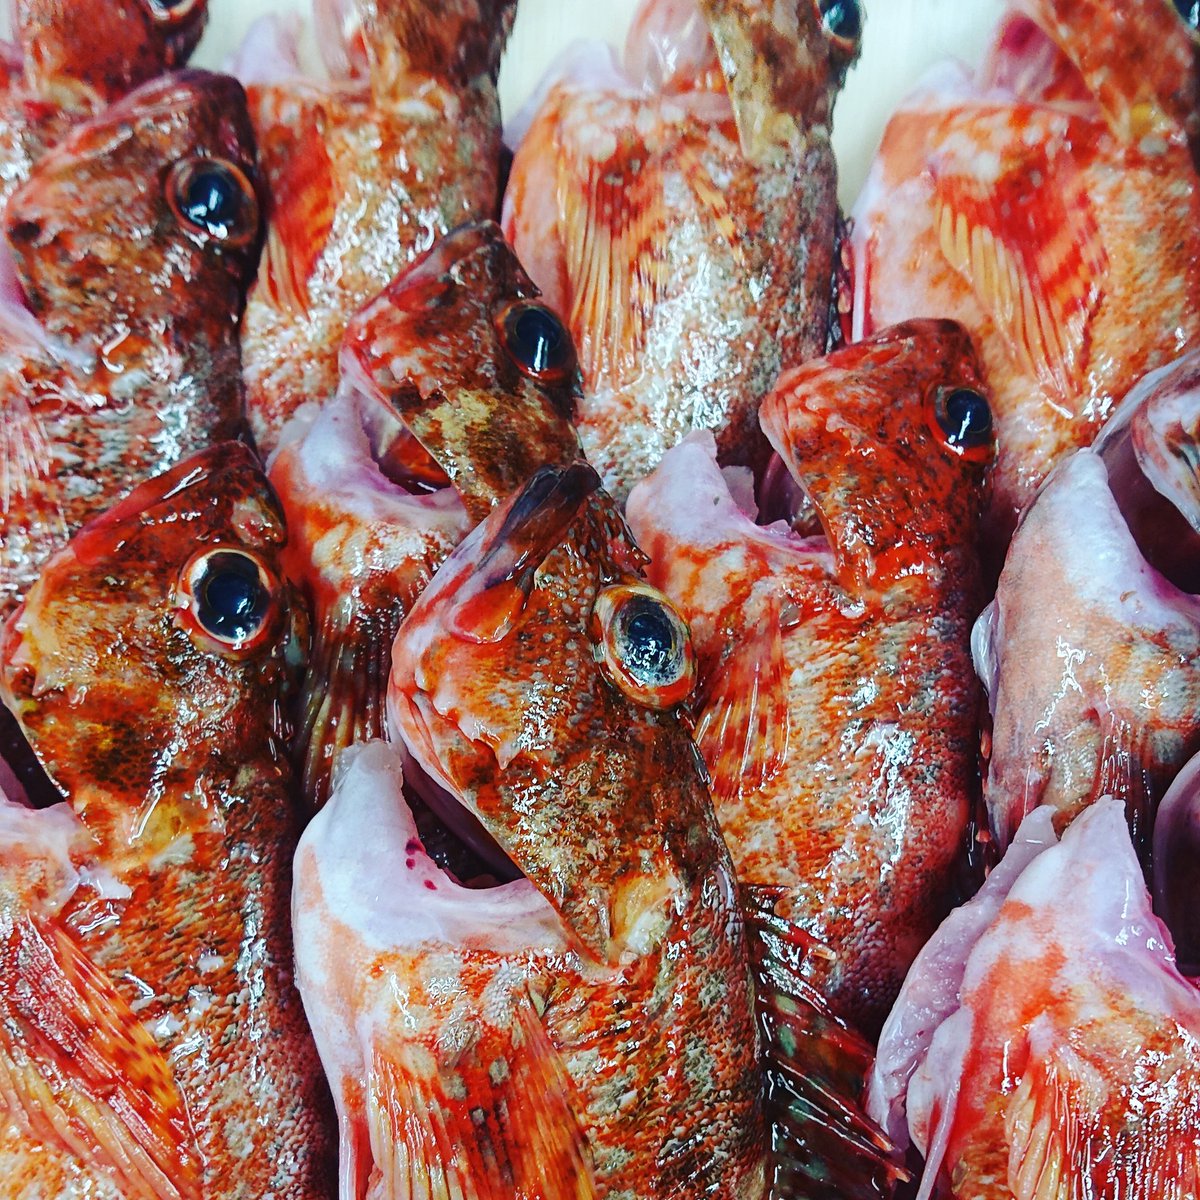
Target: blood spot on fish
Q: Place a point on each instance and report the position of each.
(431, 885)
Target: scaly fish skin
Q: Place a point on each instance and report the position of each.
(367, 171)
(1050, 204)
(131, 244)
(148, 669)
(613, 978)
(679, 213)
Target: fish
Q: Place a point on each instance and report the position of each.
(153, 1044)
(1049, 202)
(1045, 1042)
(588, 1029)
(1174, 858)
(456, 385)
(126, 256)
(837, 706)
(366, 169)
(1101, 696)
(70, 61)
(678, 210)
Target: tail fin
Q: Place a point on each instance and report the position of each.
(824, 1146)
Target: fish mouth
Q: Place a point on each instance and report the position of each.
(781, 497)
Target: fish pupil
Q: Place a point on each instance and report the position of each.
(1189, 10)
(649, 642)
(539, 339)
(213, 200)
(232, 599)
(966, 418)
(842, 18)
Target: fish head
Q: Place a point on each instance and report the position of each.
(537, 680)
(481, 371)
(145, 216)
(95, 53)
(147, 663)
(888, 440)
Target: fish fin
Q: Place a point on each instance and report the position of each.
(494, 1120)
(303, 204)
(742, 730)
(1034, 259)
(79, 1070)
(615, 222)
(825, 1147)
(1067, 1137)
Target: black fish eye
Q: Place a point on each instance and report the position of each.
(964, 419)
(647, 648)
(650, 642)
(1189, 10)
(213, 197)
(842, 19)
(230, 596)
(537, 340)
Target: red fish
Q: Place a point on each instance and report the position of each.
(680, 213)
(1045, 1043)
(366, 170)
(130, 247)
(152, 1043)
(1049, 203)
(607, 995)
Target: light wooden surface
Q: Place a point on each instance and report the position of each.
(902, 37)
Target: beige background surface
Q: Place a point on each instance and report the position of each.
(902, 38)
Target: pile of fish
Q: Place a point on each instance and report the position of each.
(573, 670)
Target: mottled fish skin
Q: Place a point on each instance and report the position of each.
(837, 706)
(1050, 203)
(162, 724)
(366, 171)
(72, 60)
(680, 212)
(118, 335)
(1090, 651)
(514, 688)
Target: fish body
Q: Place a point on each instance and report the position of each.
(1175, 858)
(366, 171)
(153, 1044)
(130, 247)
(1049, 203)
(1100, 696)
(1045, 1042)
(679, 212)
(601, 1015)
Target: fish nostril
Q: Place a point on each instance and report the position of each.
(24, 232)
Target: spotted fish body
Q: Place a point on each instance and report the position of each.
(1049, 203)
(602, 1007)
(367, 170)
(679, 212)
(118, 332)
(153, 1045)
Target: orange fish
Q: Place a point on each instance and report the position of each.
(366, 170)
(1101, 695)
(1045, 1043)
(130, 247)
(587, 1030)
(73, 60)
(680, 212)
(1050, 204)
(152, 1044)
(837, 705)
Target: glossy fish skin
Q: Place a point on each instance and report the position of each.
(682, 221)
(366, 171)
(1074, 285)
(1101, 696)
(1064, 1061)
(78, 59)
(645, 996)
(153, 695)
(127, 358)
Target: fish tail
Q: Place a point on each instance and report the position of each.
(824, 1146)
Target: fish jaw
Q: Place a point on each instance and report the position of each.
(1111, 1044)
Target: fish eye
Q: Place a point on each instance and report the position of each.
(172, 12)
(646, 645)
(1189, 10)
(229, 598)
(842, 20)
(213, 197)
(536, 340)
(962, 422)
